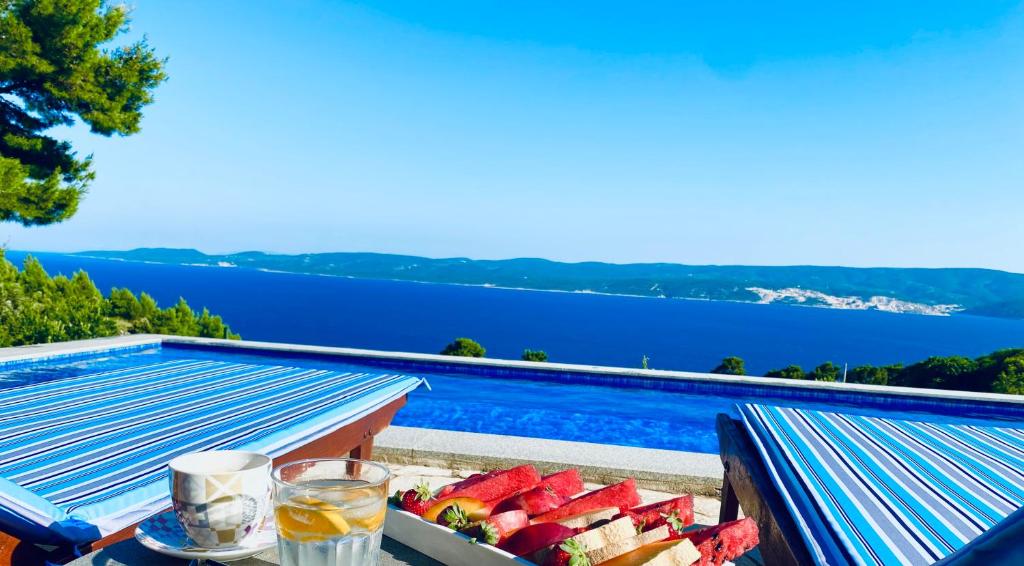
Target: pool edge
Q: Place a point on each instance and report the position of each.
(102, 345)
(653, 468)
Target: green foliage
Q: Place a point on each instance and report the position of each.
(997, 366)
(732, 365)
(825, 372)
(464, 347)
(36, 308)
(55, 65)
(1001, 371)
(872, 375)
(534, 355)
(939, 372)
(1010, 378)
(788, 372)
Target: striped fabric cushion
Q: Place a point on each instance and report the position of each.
(83, 457)
(867, 490)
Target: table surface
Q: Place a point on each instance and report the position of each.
(131, 553)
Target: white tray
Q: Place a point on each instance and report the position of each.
(443, 544)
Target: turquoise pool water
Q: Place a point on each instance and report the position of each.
(564, 405)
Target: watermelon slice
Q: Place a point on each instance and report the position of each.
(535, 501)
(567, 482)
(496, 486)
(724, 542)
(622, 495)
(552, 491)
(656, 514)
(471, 480)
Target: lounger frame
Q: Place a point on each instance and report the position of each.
(354, 440)
(747, 484)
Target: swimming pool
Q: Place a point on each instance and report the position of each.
(675, 414)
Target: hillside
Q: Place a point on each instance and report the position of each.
(924, 291)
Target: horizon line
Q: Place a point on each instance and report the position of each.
(613, 263)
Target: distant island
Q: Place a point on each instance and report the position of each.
(940, 291)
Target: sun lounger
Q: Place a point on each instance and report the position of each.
(828, 488)
(83, 459)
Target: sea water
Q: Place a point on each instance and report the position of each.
(573, 328)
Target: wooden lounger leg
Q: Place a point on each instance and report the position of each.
(364, 451)
(730, 510)
(747, 483)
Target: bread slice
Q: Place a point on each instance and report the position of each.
(618, 530)
(615, 549)
(671, 553)
(584, 520)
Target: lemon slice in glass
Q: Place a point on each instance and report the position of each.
(309, 519)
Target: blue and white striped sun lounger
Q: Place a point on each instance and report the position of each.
(867, 490)
(84, 457)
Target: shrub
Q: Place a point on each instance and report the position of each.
(825, 372)
(534, 355)
(732, 365)
(788, 372)
(464, 347)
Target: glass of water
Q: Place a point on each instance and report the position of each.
(330, 512)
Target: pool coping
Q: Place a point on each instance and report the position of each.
(75, 348)
(101, 345)
(657, 469)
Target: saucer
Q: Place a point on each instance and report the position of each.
(162, 533)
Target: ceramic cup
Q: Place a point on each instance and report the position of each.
(220, 497)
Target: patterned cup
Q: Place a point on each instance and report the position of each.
(220, 497)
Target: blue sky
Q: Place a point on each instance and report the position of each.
(875, 133)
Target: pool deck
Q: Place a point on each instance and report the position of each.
(661, 470)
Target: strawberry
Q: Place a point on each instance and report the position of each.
(418, 500)
(569, 553)
(453, 517)
(483, 531)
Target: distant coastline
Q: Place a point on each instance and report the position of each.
(690, 335)
(932, 292)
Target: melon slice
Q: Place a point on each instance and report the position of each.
(534, 501)
(567, 482)
(653, 515)
(475, 509)
(552, 491)
(724, 542)
(673, 553)
(497, 486)
(471, 480)
(606, 552)
(590, 518)
(622, 495)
